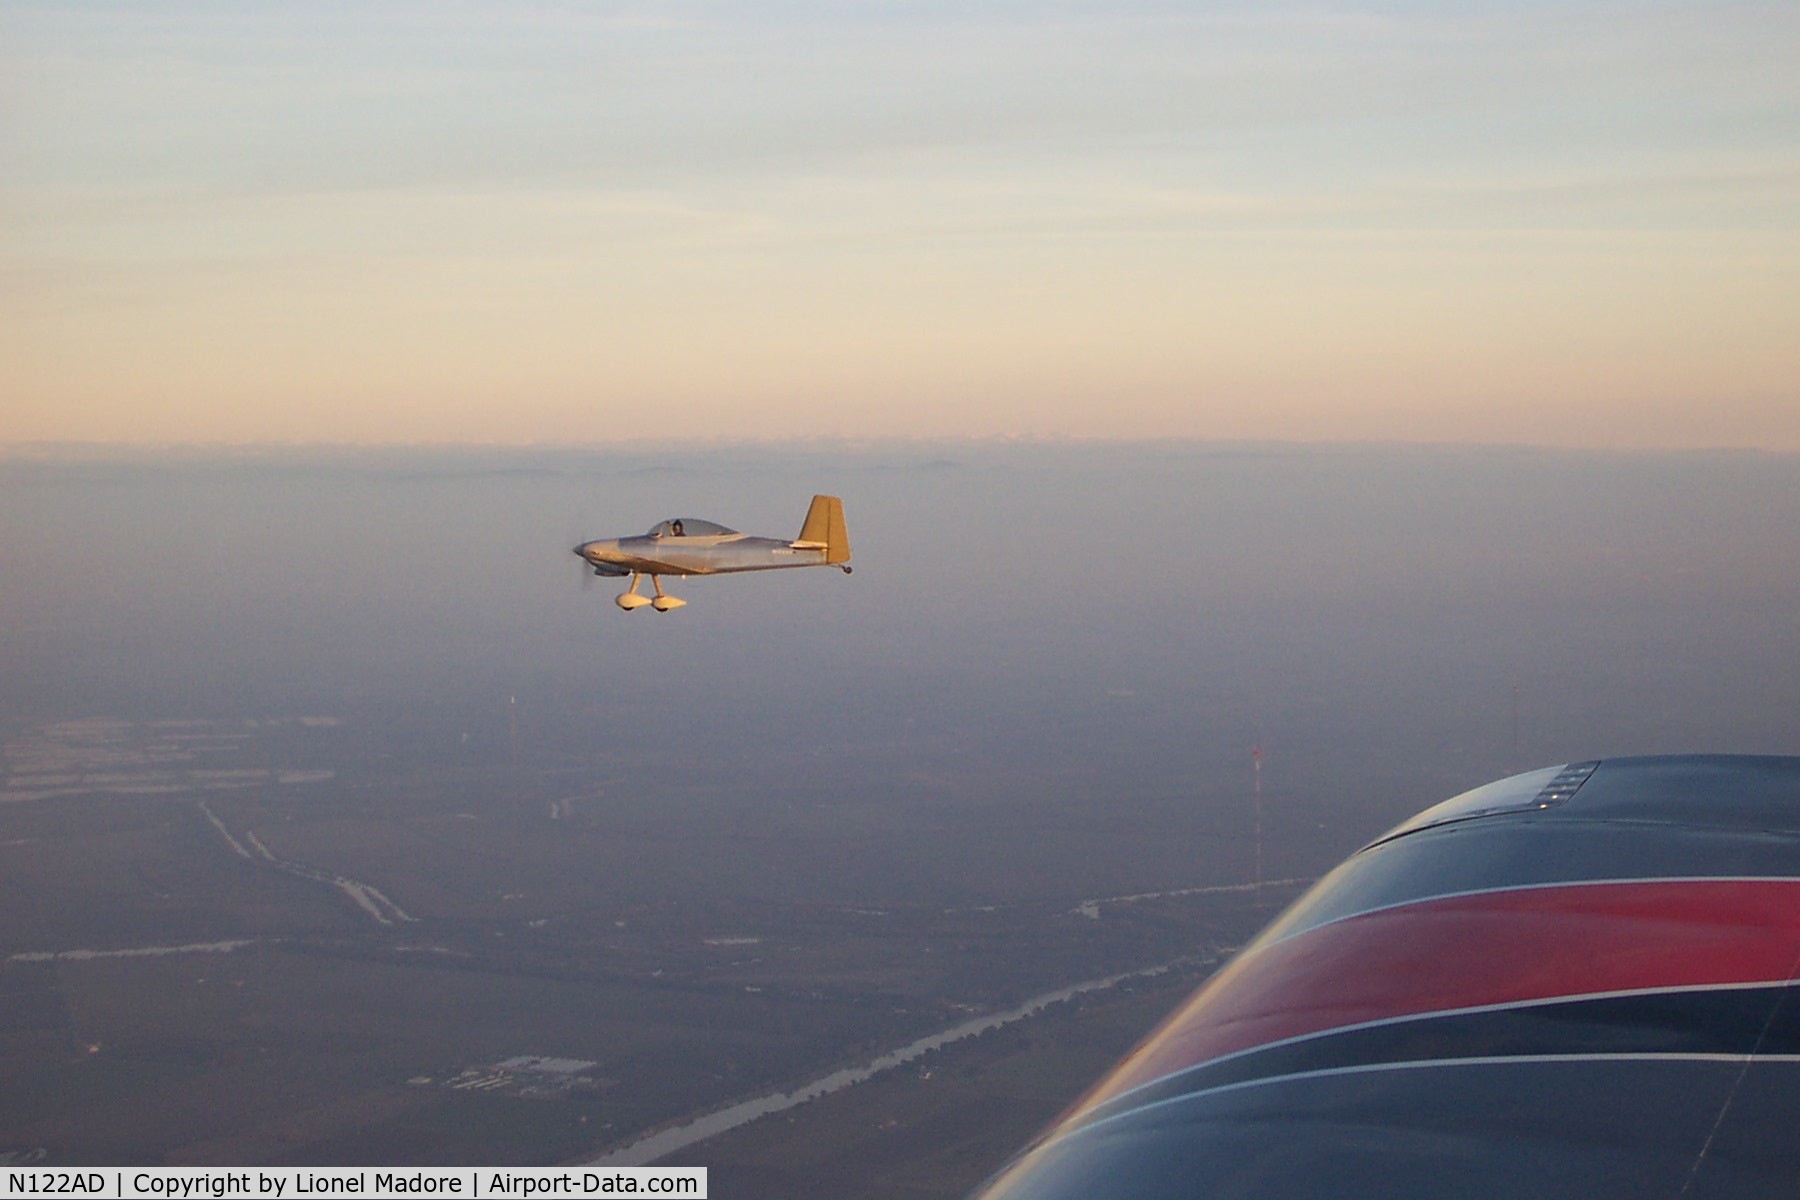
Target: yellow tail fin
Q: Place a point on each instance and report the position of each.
(825, 527)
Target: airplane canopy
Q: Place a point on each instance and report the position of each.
(690, 527)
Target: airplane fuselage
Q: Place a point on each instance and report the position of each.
(717, 554)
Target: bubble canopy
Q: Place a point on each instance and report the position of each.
(688, 527)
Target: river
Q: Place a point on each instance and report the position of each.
(664, 1142)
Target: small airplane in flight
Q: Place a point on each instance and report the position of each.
(689, 546)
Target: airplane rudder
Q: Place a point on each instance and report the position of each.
(837, 539)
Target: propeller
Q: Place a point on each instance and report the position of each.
(577, 538)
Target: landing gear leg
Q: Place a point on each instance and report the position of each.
(663, 602)
(629, 598)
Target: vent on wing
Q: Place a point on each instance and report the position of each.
(1568, 781)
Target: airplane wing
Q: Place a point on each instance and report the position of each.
(1576, 982)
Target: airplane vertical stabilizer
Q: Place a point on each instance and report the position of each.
(825, 527)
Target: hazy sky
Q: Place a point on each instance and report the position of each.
(1495, 221)
(1031, 629)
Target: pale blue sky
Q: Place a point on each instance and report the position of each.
(1566, 222)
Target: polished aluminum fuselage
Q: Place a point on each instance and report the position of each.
(707, 554)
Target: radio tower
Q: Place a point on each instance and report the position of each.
(512, 746)
(1256, 764)
(1513, 764)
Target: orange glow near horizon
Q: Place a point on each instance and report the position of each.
(756, 255)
